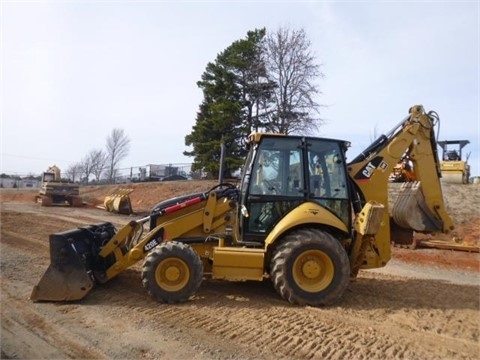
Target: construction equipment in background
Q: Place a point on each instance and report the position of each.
(403, 171)
(119, 202)
(302, 217)
(54, 191)
(454, 169)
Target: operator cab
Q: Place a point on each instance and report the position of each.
(283, 172)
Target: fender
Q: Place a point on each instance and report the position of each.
(306, 213)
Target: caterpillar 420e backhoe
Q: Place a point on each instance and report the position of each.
(302, 217)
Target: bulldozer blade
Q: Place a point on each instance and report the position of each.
(73, 255)
(410, 210)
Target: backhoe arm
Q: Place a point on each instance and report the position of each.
(420, 205)
(423, 154)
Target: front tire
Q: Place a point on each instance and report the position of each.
(172, 272)
(310, 267)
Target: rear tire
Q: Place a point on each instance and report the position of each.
(172, 272)
(310, 267)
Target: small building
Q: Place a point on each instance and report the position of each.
(11, 183)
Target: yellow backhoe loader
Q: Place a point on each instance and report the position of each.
(301, 216)
(55, 191)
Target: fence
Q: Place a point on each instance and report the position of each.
(150, 172)
(155, 172)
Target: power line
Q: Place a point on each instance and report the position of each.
(30, 157)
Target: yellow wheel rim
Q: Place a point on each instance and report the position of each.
(172, 274)
(313, 271)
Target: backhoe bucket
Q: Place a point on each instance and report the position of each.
(119, 202)
(410, 210)
(73, 260)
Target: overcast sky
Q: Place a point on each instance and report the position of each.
(71, 71)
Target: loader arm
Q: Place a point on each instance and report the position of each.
(97, 253)
(208, 217)
(420, 205)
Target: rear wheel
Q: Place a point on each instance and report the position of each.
(310, 267)
(172, 272)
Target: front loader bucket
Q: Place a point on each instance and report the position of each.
(73, 260)
(65, 281)
(410, 210)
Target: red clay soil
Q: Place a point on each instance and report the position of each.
(461, 202)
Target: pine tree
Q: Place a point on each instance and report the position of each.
(233, 87)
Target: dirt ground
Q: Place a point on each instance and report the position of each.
(423, 305)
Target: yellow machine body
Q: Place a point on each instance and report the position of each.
(455, 172)
(454, 166)
(54, 191)
(302, 217)
(119, 202)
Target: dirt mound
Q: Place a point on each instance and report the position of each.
(461, 202)
(18, 195)
(145, 195)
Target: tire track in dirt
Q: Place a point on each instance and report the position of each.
(259, 319)
(42, 337)
(59, 216)
(89, 329)
(375, 320)
(251, 313)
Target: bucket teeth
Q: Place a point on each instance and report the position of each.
(119, 202)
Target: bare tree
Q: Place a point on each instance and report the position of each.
(86, 168)
(99, 162)
(291, 66)
(73, 172)
(118, 146)
(93, 164)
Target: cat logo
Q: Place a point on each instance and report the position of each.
(366, 172)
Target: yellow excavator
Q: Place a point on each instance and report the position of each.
(55, 191)
(302, 216)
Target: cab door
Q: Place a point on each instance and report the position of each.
(273, 184)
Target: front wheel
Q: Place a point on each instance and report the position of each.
(172, 272)
(310, 267)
